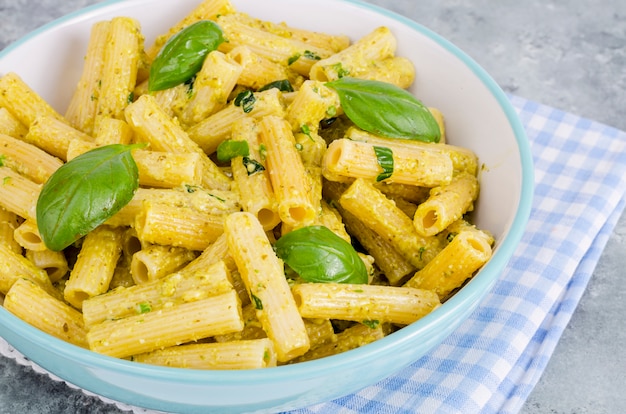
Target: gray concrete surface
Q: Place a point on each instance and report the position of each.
(569, 54)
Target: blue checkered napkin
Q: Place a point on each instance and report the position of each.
(492, 362)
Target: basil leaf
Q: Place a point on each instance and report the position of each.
(245, 100)
(183, 54)
(252, 166)
(282, 85)
(229, 149)
(384, 156)
(319, 255)
(84, 193)
(385, 109)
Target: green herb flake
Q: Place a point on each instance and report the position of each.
(282, 85)
(191, 188)
(340, 70)
(85, 192)
(252, 166)
(451, 236)
(2, 159)
(245, 100)
(263, 152)
(299, 146)
(229, 149)
(6, 180)
(144, 307)
(372, 324)
(258, 304)
(130, 98)
(311, 55)
(217, 197)
(293, 59)
(384, 156)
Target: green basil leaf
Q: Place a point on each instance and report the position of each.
(84, 193)
(252, 166)
(319, 255)
(385, 109)
(183, 54)
(282, 85)
(245, 100)
(229, 149)
(384, 156)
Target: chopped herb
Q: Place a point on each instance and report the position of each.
(245, 100)
(306, 131)
(2, 159)
(451, 236)
(293, 59)
(191, 188)
(311, 55)
(144, 307)
(331, 111)
(339, 69)
(282, 85)
(421, 251)
(229, 149)
(257, 302)
(299, 146)
(263, 152)
(252, 166)
(131, 98)
(217, 198)
(384, 156)
(373, 324)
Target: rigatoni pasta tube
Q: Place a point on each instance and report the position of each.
(121, 58)
(211, 88)
(400, 305)
(81, 111)
(177, 226)
(456, 263)
(246, 354)
(94, 265)
(27, 235)
(10, 125)
(9, 221)
(22, 101)
(151, 123)
(346, 159)
(375, 46)
(446, 204)
(287, 173)
(29, 302)
(169, 326)
(253, 182)
(263, 275)
(382, 216)
(256, 71)
(463, 159)
(53, 263)
(156, 261)
(178, 287)
(27, 159)
(18, 194)
(15, 266)
(54, 136)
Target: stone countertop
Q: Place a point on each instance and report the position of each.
(569, 55)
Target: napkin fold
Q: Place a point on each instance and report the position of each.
(491, 363)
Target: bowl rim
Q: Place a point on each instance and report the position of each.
(482, 282)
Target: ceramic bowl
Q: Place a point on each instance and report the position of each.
(478, 116)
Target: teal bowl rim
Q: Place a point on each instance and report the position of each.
(477, 288)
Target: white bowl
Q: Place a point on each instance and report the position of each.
(478, 116)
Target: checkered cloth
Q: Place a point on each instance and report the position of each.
(492, 361)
